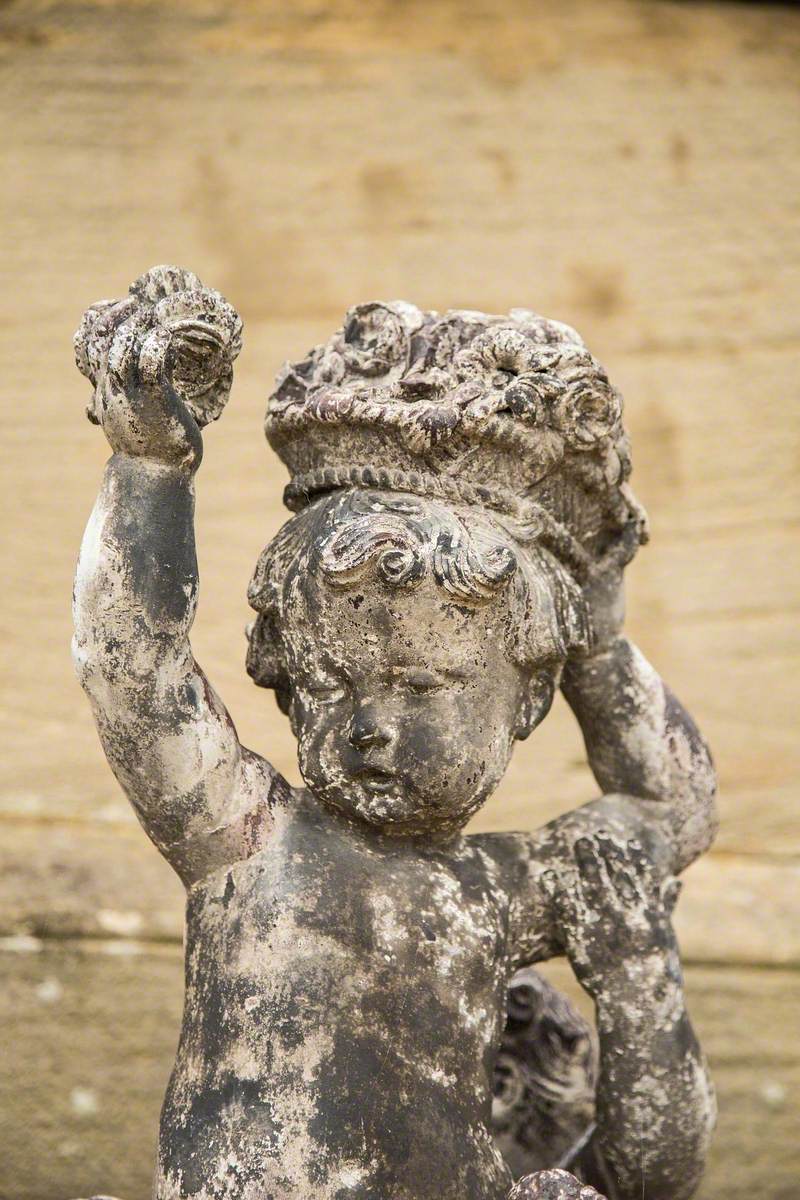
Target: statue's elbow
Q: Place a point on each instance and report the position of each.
(83, 662)
(706, 802)
(698, 817)
(92, 666)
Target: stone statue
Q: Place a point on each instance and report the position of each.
(461, 522)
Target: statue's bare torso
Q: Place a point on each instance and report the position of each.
(345, 998)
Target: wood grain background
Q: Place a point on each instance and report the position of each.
(631, 168)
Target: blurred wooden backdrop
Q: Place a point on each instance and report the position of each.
(632, 168)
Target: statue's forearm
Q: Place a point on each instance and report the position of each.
(655, 1103)
(641, 742)
(167, 736)
(136, 583)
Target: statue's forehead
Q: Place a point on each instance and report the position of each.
(370, 620)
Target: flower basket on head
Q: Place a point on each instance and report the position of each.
(510, 413)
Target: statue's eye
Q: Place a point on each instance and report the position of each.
(326, 693)
(423, 683)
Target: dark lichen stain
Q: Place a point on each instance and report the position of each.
(160, 553)
(210, 1126)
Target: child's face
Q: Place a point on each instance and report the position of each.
(405, 705)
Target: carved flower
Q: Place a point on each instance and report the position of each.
(206, 334)
(587, 410)
(550, 383)
(499, 350)
(452, 334)
(508, 368)
(167, 312)
(374, 339)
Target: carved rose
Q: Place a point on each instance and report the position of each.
(586, 411)
(500, 349)
(374, 339)
(168, 312)
(509, 368)
(554, 384)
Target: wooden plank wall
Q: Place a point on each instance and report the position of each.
(630, 167)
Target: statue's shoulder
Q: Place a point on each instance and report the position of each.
(252, 823)
(507, 852)
(502, 843)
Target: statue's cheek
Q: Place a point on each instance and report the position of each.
(325, 736)
(310, 731)
(427, 737)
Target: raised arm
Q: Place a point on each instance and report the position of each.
(166, 734)
(600, 888)
(640, 741)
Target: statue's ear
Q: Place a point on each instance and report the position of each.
(537, 697)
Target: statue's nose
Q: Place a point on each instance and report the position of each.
(367, 730)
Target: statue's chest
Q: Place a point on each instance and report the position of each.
(351, 1000)
(331, 918)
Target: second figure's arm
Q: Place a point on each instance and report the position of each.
(600, 889)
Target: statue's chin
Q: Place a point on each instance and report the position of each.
(392, 809)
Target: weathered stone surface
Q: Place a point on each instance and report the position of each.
(552, 1185)
(743, 1017)
(646, 235)
(463, 520)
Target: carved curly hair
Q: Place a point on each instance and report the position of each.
(473, 555)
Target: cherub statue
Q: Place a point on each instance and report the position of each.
(462, 519)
